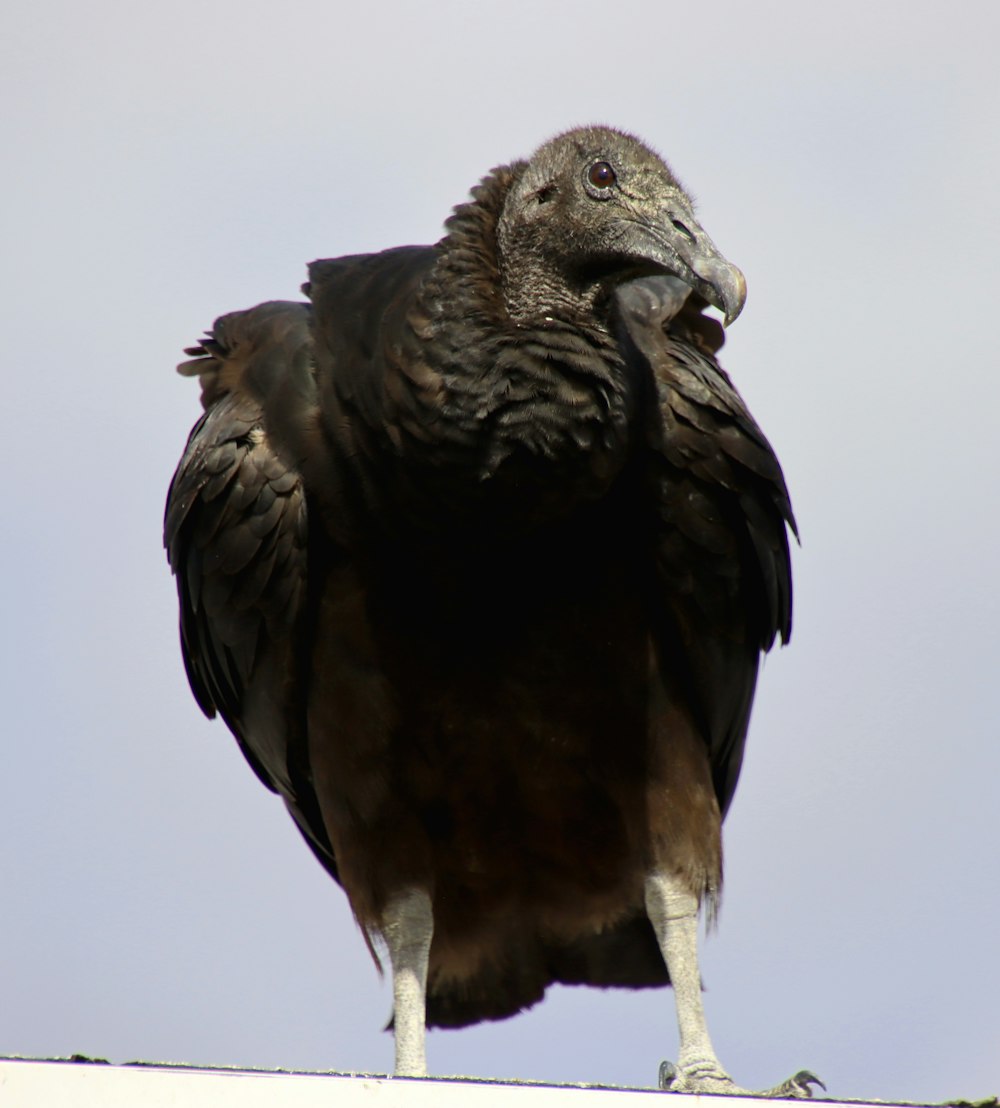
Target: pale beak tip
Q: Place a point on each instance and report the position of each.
(735, 296)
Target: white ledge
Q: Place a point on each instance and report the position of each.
(28, 1083)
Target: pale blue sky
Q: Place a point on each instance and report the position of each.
(164, 165)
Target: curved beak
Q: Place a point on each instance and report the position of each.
(676, 241)
(718, 276)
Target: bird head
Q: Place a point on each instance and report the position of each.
(593, 208)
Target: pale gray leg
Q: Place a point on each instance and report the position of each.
(673, 911)
(408, 928)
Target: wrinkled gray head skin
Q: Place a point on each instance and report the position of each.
(595, 207)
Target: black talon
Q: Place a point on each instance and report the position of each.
(667, 1075)
(801, 1081)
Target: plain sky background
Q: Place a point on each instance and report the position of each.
(165, 163)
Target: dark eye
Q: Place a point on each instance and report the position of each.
(601, 175)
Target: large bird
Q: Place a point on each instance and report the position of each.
(477, 554)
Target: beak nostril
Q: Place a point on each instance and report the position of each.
(682, 228)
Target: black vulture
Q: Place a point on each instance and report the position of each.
(477, 553)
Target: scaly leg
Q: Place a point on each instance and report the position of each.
(408, 927)
(673, 911)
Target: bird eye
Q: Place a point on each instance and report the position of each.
(601, 175)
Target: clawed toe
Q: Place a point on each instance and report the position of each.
(667, 1076)
(798, 1086)
(700, 1077)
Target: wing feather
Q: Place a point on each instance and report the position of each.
(237, 536)
(238, 545)
(723, 517)
(236, 532)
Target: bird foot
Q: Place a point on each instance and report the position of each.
(707, 1076)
